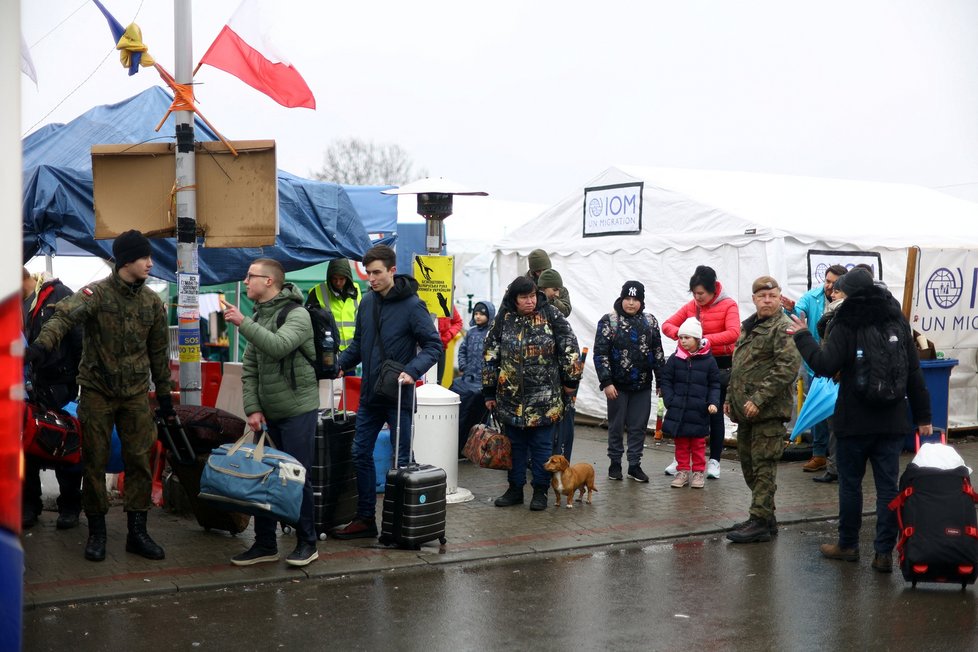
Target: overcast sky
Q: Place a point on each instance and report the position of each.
(529, 100)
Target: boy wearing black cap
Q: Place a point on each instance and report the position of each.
(125, 343)
(627, 355)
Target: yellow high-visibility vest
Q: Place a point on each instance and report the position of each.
(344, 312)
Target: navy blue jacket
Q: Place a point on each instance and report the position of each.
(689, 383)
(470, 353)
(405, 327)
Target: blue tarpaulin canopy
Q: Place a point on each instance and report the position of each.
(318, 221)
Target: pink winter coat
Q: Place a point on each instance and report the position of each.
(720, 320)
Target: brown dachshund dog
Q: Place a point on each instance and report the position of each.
(567, 479)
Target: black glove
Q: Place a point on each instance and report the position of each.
(165, 411)
(33, 353)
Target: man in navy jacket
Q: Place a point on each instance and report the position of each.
(393, 324)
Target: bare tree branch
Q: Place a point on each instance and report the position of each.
(364, 163)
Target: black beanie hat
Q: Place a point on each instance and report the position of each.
(129, 247)
(633, 290)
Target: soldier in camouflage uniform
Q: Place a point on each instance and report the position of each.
(531, 361)
(759, 401)
(125, 342)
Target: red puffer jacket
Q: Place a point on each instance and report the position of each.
(720, 320)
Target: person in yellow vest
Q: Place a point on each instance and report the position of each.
(339, 295)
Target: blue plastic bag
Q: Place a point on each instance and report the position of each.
(818, 406)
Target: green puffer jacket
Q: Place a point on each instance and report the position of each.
(765, 366)
(125, 340)
(528, 361)
(265, 387)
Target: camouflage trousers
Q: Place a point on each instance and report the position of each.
(137, 432)
(760, 445)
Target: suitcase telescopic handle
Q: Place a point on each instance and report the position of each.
(332, 401)
(397, 428)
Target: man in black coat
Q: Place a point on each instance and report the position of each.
(866, 431)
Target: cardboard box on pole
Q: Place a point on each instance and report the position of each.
(237, 197)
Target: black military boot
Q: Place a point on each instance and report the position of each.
(513, 496)
(758, 530)
(138, 540)
(95, 547)
(539, 501)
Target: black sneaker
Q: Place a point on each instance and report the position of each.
(636, 473)
(614, 471)
(254, 555)
(303, 555)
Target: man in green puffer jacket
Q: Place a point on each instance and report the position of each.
(281, 393)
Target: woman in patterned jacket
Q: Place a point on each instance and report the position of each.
(531, 362)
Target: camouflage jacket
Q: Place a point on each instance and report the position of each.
(765, 366)
(126, 337)
(528, 361)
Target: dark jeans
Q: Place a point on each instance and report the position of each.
(564, 442)
(852, 453)
(717, 430)
(534, 444)
(471, 412)
(370, 421)
(69, 486)
(297, 437)
(628, 415)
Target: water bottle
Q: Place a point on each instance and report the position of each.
(859, 354)
(329, 353)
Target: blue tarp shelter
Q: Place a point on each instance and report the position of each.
(318, 221)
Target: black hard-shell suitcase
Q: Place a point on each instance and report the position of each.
(414, 501)
(938, 525)
(334, 480)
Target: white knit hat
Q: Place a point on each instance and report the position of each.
(692, 328)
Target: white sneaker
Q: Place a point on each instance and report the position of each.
(713, 469)
(671, 469)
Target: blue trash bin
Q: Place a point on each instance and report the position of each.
(937, 377)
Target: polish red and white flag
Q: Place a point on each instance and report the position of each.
(244, 49)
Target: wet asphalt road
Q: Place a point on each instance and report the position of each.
(690, 594)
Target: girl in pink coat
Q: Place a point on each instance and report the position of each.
(720, 318)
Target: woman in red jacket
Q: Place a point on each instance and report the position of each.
(720, 318)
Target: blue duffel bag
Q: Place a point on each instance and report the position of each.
(254, 479)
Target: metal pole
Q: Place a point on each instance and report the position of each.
(188, 279)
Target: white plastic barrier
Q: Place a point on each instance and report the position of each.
(436, 435)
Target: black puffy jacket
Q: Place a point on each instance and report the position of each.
(690, 383)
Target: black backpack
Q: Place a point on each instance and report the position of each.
(881, 362)
(324, 336)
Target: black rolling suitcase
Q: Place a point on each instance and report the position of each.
(414, 500)
(334, 480)
(938, 525)
(188, 465)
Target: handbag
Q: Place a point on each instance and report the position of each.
(52, 435)
(488, 447)
(254, 479)
(386, 388)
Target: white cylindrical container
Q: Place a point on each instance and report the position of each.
(436, 430)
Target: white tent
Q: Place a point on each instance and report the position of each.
(744, 225)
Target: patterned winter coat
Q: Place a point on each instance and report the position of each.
(528, 361)
(627, 350)
(720, 319)
(690, 383)
(765, 366)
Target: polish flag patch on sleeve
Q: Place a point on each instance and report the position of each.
(87, 291)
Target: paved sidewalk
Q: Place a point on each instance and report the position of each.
(57, 573)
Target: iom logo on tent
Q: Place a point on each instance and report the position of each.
(943, 288)
(613, 210)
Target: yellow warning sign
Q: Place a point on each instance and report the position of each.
(436, 279)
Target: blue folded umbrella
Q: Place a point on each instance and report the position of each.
(818, 406)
